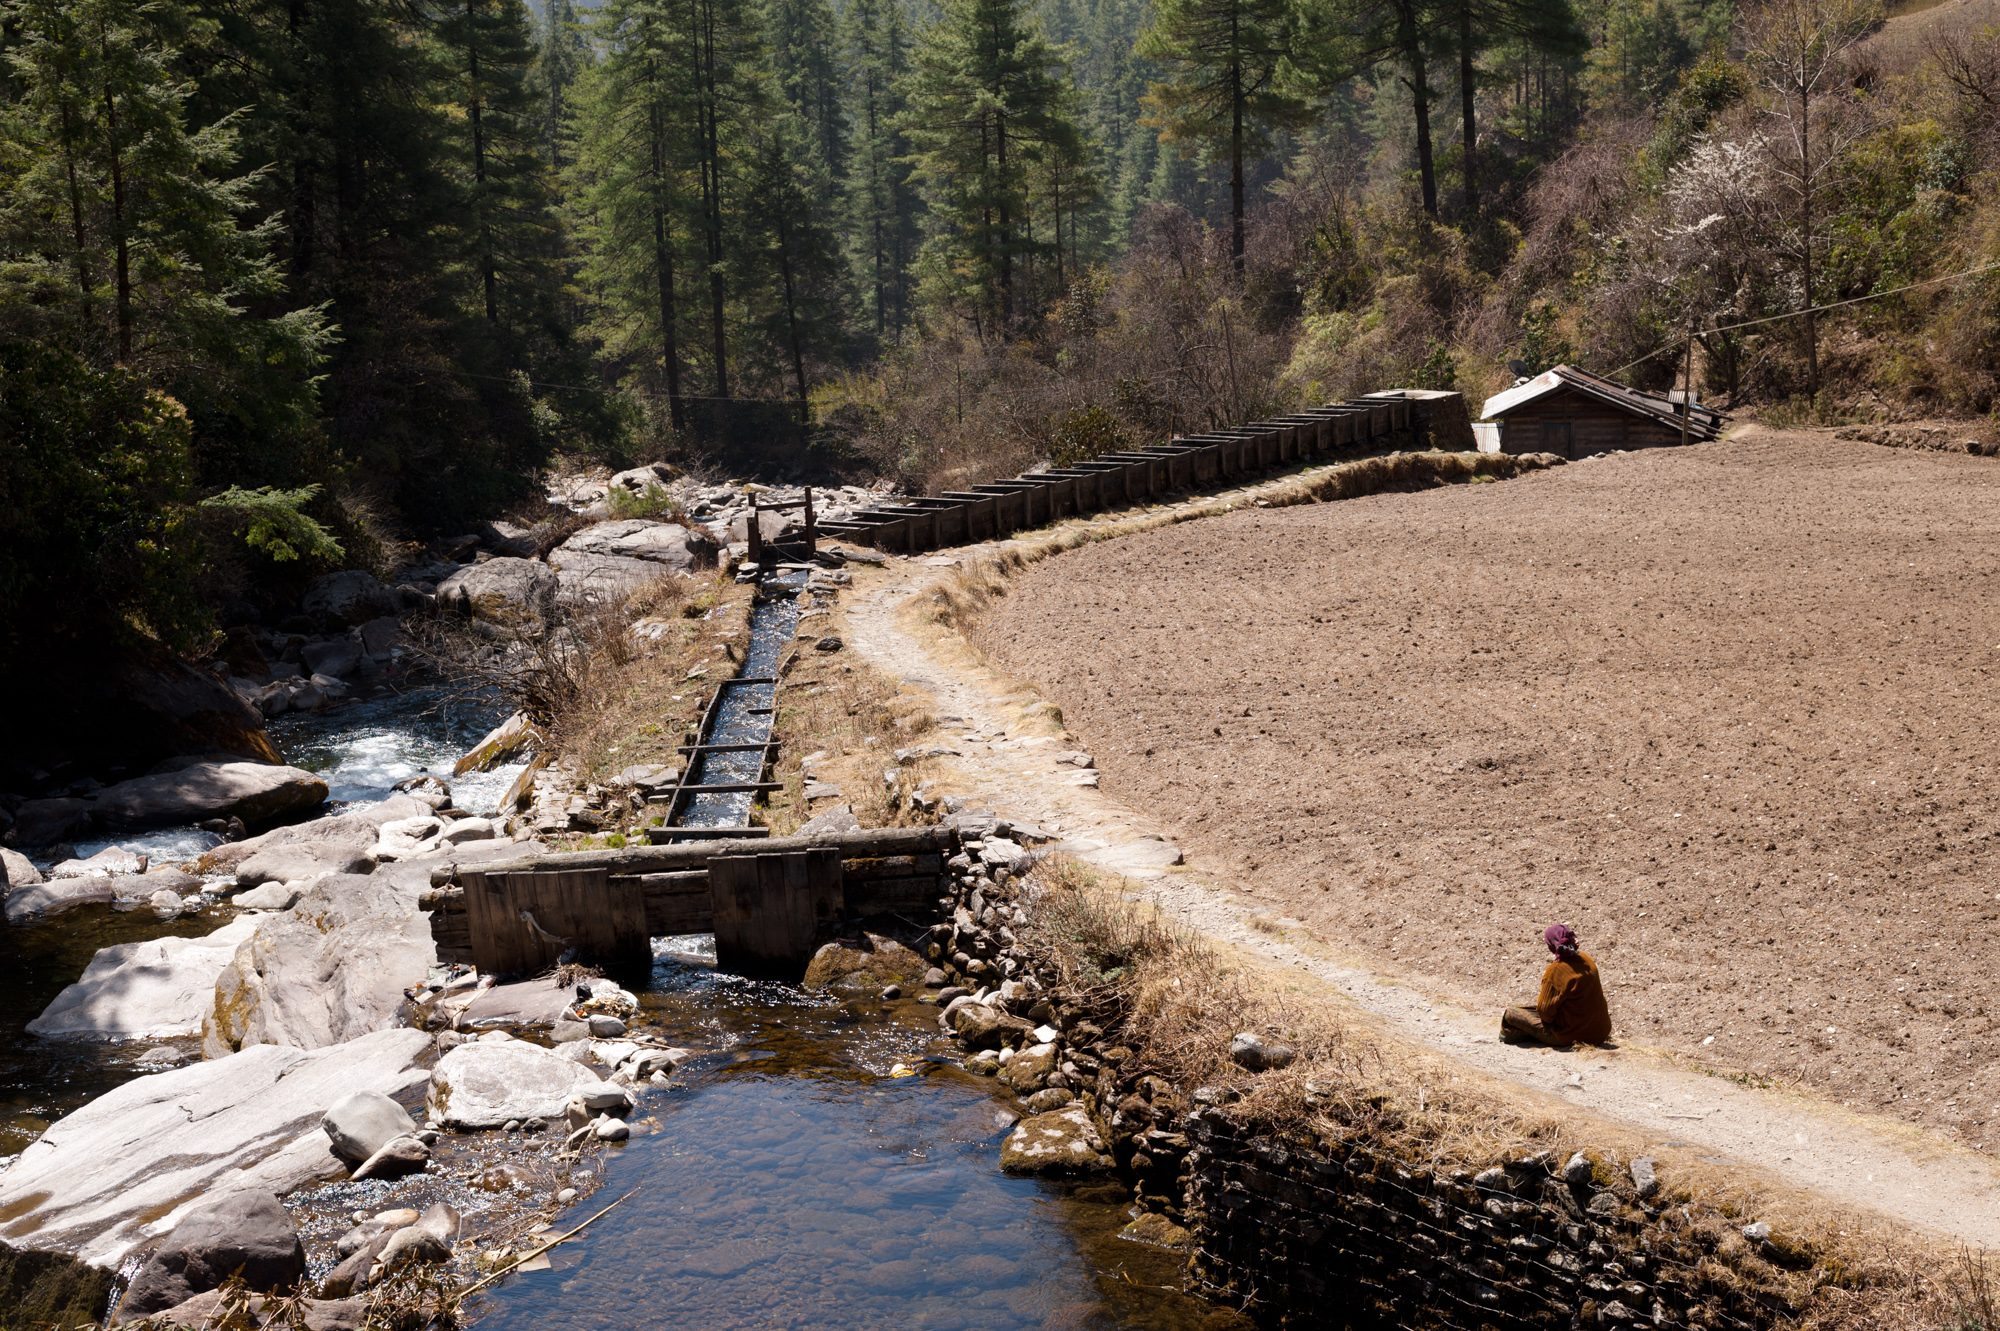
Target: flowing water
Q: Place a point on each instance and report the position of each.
(743, 713)
(362, 750)
(789, 1178)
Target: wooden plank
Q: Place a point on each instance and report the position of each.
(677, 903)
(770, 909)
(861, 843)
(522, 923)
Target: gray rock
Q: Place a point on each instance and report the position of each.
(1001, 853)
(466, 831)
(132, 1162)
(1030, 1068)
(839, 818)
(611, 560)
(528, 1003)
(349, 597)
(111, 860)
(407, 1154)
(46, 822)
(336, 658)
(302, 861)
(508, 594)
(605, 1098)
(482, 1085)
(603, 1027)
(1063, 1141)
(1645, 1178)
(504, 741)
(204, 1312)
(332, 968)
(612, 1130)
(359, 823)
(868, 964)
(982, 1027)
(258, 793)
(361, 1124)
(271, 897)
(17, 870)
(408, 838)
(1758, 1231)
(1046, 1101)
(1579, 1171)
(27, 904)
(158, 989)
(1249, 1050)
(1603, 1204)
(245, 1236)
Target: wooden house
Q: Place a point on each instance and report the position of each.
(1574, 414)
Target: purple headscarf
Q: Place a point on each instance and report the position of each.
(1560, 938)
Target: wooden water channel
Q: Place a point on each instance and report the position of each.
(1114, 480)
(769, 901)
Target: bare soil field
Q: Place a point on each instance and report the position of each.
(1733, 711)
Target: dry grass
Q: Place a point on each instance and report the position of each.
(958, 599)
(620, 686)
(850, 720)
(1176, 1001)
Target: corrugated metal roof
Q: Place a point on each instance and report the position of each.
(1703, 422)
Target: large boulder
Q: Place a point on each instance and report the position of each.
(303, 861)
(158, 989)
(1063, 1141)
(332, 968)
(611, 560)
(128, 1165)
(245, 1236)
(491, 1082)
(258, 793)
(28, 904)
(357, 823)
(17, 870)
(352, 596)
(46, 822)
(505, 740)
(514, 595)
(873, 963)
(361, 1124)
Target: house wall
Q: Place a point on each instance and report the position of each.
(1595, 427)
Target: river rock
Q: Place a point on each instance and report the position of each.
(246, 1236)
(982, 1027)
(1249, 1050)
(17, 870)
(46, 822)
(1030, 1068)
(527, 1003)
(332, 968)
(218, 1308)
(158, 989)
(28, 904)
(869, 965)
(407, 838)
(1064, 1141)
(467, 830)
(361, 1124)
(407, 1154)
(335, 658)
(132, 1162)
(484, 1085)
(302, 861)
(505, 740)
(509, 594)
(347, 598)
(611, 560)
(258, 793)
(110, 860)
(359, 823)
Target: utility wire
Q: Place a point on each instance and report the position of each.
(1679, 342)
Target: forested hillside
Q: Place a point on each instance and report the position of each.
(284, 281)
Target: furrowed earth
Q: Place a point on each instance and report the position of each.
(1729, 710)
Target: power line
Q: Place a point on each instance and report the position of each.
(1814, 309)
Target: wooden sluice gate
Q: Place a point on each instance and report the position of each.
(769, 902)
(1400, 418)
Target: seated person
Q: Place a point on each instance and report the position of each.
(1571, 1008)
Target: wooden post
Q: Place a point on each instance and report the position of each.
(812, 535)
(1687, 389)
(757, 532)
(770, 910)
(523, 923)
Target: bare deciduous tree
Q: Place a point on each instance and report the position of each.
(1801, 51)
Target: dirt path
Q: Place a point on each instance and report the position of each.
(1010, 756)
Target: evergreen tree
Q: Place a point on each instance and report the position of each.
(881, 203)
(1230, 81)
(803, 37)
(797, 305)
(986, 99)
(561, 56)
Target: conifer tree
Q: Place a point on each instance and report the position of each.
(986, 97)
(797, 301)
(881, 203)
(1230, 81)
(803, 37)
(561, 56)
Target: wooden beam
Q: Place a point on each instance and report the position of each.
(862, 843)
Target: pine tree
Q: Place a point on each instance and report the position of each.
(986, 97)
(629, 187)
(561, 56)
(1231, 80)
(797, 304)
(803, 37)
(881, 203)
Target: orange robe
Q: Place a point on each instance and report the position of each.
(1572, 1000)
